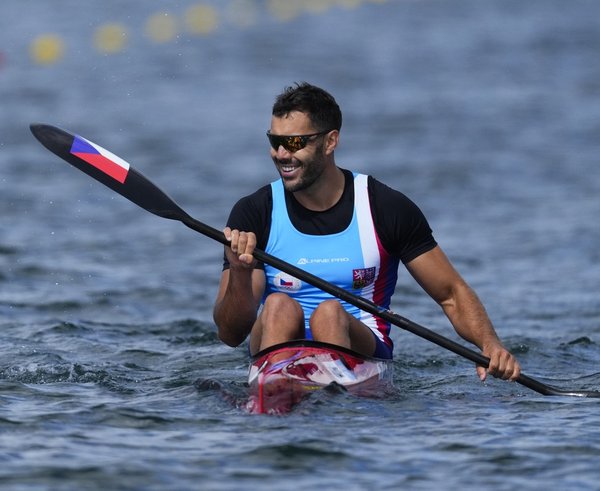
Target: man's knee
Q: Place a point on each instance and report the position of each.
(330, 322)
(328, 311)
(280, 320)
(281, 304)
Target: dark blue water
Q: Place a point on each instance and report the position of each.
(487, 114)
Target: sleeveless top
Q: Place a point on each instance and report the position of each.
(352, 259)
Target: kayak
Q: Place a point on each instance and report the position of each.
(282, 375)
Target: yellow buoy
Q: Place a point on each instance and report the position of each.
(47, 49)
(201, 19)
(283, 10)
(110, 38)
(161, 27)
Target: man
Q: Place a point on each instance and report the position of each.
(347, 228)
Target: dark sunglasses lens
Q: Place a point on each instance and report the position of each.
(275, 141)
(290, 143)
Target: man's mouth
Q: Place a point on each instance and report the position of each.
(287, 167)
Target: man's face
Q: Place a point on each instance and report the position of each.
(300, 169)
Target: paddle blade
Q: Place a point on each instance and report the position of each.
(109, 169)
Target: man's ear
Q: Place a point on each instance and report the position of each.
(331, 141)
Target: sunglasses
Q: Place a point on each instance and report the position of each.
(292, 143)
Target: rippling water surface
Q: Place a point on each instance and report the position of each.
(487, 114)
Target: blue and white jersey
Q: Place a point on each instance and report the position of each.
(352, 259)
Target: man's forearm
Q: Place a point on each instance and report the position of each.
(469, 318)
(235, 313)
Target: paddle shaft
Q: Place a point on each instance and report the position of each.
(138, 189)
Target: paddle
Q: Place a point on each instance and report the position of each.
(118, 175)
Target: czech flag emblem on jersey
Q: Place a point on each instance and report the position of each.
(100, 158)
(286, 283)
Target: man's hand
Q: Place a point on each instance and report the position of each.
(242, 245)
(502, 364)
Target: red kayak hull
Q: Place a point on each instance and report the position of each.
(282, 375)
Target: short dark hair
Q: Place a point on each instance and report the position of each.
(318, 104)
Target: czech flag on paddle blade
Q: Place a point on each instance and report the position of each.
(100, 158)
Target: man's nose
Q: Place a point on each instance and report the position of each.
(282, 153)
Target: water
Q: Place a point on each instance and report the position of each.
(111, 376)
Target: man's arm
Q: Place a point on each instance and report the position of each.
(436, 275)
(240, 290)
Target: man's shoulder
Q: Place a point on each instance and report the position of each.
(387, 196)
(261, 193)
(252, 213)
(258, 198)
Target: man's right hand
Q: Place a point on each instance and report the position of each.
(242, 245)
